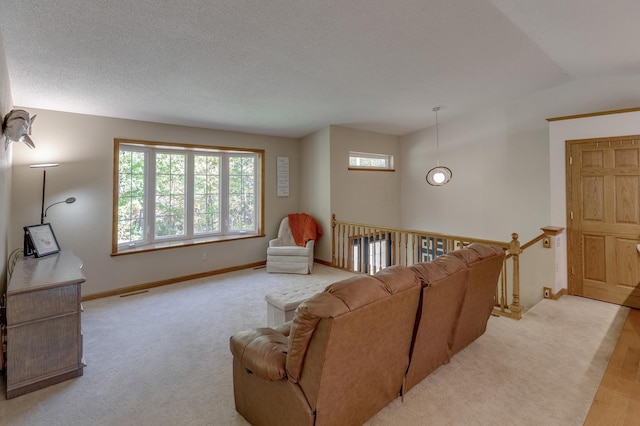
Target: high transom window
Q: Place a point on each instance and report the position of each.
(169, 195)
(370, 161)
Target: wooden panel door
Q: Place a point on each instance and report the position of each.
(603, 208)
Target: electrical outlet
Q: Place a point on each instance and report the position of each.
(547, 293)
(204, 256)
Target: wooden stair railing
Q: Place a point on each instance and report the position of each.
(366, 248)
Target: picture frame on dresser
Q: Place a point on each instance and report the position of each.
(40, 240)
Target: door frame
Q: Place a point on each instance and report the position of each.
(574, 274)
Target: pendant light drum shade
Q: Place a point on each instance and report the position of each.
(439, 176)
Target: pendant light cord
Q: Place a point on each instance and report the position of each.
(436, 109)
(438, 175)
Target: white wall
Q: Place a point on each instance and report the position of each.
(5, 167)
(83, 145)
(622, 124)
(509, 164)
(328, 187)
(369, 197)
(315, 186)
(507, 176)
(500, 178)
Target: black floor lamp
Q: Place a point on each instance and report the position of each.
(43, 211)
(44, 168)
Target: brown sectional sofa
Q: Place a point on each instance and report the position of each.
(352, 349)
(484, 263)
(444, 284)
(458, 294)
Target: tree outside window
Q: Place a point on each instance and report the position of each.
(180, 193)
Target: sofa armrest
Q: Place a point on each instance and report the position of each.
(276, 242)
(284, 328)
(310, 245)
(261, 351)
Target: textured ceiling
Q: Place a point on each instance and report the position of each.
(292, 67)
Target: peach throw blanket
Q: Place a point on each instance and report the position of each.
(304, 228)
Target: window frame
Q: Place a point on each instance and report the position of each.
(150, 241)
(371, 155)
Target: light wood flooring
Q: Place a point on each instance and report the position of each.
(617, 401)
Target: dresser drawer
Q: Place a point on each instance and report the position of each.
(43, 348)
(46, 303)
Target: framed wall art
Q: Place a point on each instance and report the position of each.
(282, 176)
(41, 240)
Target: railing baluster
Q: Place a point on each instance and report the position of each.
(333, 240)
(380, 244)
(362, 250)
(367, 261)
(405, 253)
(345, 246)
(503, 296)
(375, 252)
(357, 256)
(406, 249)
(413, 248)
(343, 234)
(392, 247)
(340, 244)
(514, 250)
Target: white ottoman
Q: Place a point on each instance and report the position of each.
(281, 305)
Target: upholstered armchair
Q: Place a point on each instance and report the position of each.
(288, 254)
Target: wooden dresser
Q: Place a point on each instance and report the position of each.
(44, 336)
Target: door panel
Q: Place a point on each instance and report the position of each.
(603, 206)
(626, 263)
(594, 265)
(593, 198)
(627, 199)
(626, 157)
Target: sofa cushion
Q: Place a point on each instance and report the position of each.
(444, 283)
(308, 314)
(438, 269)
(485, 250)
(485, 265)
(288, 251)
(397, 278)
(358, 291)
(476, 252)
(338, 299)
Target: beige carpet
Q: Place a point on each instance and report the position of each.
(162, 358)
(542, 370)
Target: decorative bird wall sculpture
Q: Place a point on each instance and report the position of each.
(16, 127)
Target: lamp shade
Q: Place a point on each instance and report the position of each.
(439, 176)
(43, 165)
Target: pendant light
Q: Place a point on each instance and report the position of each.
(439, 175)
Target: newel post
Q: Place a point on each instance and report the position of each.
(334, 261)
(514, 250)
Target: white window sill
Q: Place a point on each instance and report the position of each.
(183, 243)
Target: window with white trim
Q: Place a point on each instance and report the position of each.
(169, 195)
(370, 161)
